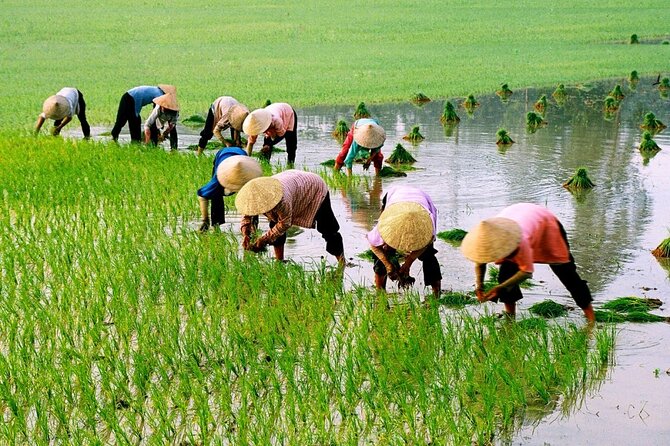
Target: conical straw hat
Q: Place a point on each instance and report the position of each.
(492, 239)
(259, 196)
(168, 101)
(369, 135)
(238, 114)
(55, 107)
(236, 171)
(167, 88)
(257, 122)
(406, 226)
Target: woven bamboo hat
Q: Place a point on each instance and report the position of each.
(257, 122)
(167, 88)
(259, 196)
(406, 226)
(492, 239)
(55, 107)
(237, 114)
(168, 101)
(370, 135)
(234, 172)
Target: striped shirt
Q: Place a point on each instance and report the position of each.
(302, 195)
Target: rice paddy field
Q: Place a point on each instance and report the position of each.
(120, 323)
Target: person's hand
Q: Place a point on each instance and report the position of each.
(391, 272)
(204, 226)
(404, 270)
(266, 150)
(56, 131)
(246, 243)
(257, 246)
(161, 137)
(366, 164)
(481, 296)
(492, 294)
(406, 281)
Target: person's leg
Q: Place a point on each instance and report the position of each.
(207, 132)
(509, 298)
(380, 274)
(291, 138)
(278, 244)
(174, 138)
(154, 132)
(135, 128)
(85, 127)
(432, 275)
(329, 228)
(124, 113)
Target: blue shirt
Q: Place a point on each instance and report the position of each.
(144, 95)
(213, 189)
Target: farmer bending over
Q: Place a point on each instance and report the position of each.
(61, 107)
(130, 106)
(292, 197)
(365, 138)
(277, 121)
(163, 121)
(519, 236)
(408, 223)
(225, 113)
(232, 169)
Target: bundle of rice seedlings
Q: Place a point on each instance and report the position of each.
(420, 98)
(328, 163)
(580, 180)
(387, 171)
(611, 104)
(449, 114)
(456, 299)
(493, 272)
(643, 316)
(193, 121)
(651, 123)
(414, 135)
(664, 86)
(532, 323)
(609, 316)
(633, 39)
(560, 94)
(541, 104)
(632, 303)
(648, 143)
(663, 249)
(452, 235)
(504, 93)
(368, 255)
(633, 79)
(341, 129)
(616, 93)
(548, 309)
(361, 111)
(470, 103)
(212, 145)
(503, 138)
(400, 156)
(534, 120)
(267, 102)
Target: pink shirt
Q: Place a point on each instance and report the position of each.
(397, 194)
(541, 238)
(283, 117)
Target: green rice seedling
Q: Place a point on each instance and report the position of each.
(503, 138)
(414, 135)
(532, 323)
(647, 143)
(664, 86)
(534, 121)
(455, 235)
(361, 111)
(329, 163)
(449, 115)
(266, 103)
(560, 95)
(211, 145)
(420, 98)
(634, 39)
(504, 92)
(492, 280)
(632, 303)
(400, 156)
(609, 316)
(580, 180)
(643, 316)
(341, 129)
(663, 249)
(548, 309)
(193, 121)
(651, 123)
(470, 104)
(617, 93)
(611, 105)
(456, 299)
(541, 105)
(633, 80)
(388, 171)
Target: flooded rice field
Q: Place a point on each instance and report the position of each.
(611, 229)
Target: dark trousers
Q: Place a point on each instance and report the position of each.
(174, 139)
(207, 133)
(566, 273)
(85, 127)
(126, 113)
(328, 227)
(431, 267)
(291, 137)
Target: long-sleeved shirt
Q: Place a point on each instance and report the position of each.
(221, 110)
(353, 149)
(144, 95)
(283, 117)
(213, 189)
(396, 194)
(541, 237)
(302, 196)
(161, 118)
(72, 97)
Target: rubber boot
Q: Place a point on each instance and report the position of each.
(204, 213)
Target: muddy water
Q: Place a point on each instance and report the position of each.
(611, 229)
